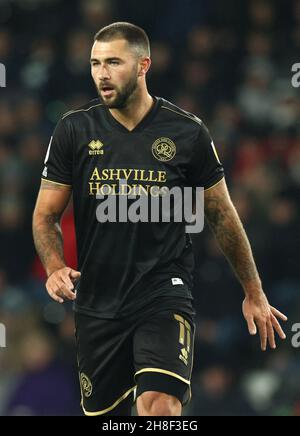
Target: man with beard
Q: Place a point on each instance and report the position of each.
(132, 296)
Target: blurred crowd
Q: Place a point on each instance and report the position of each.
(228, 62)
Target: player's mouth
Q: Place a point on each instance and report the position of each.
(107, 91)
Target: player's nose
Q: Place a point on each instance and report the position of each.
(103, 73)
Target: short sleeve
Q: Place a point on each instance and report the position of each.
(59, 157)
(205, 169)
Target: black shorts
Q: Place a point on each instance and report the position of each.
(149, 351)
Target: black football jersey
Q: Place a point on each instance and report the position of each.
(125, 265)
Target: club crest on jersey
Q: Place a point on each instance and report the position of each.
(95, 148)
(164, 149)
(86, 385)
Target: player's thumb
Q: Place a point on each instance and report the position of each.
(75, 274)
(252, 327)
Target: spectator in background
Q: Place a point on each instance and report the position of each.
(235, 74)
(46, 388)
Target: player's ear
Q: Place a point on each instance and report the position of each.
(144, 66)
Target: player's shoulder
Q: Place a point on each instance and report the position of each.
(174, 112)
(87, 108)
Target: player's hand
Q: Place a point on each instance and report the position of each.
(260, 315)
(60, 284)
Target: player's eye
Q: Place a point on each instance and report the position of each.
(114, 62)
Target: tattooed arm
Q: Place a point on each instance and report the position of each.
(51, 203)
(231, 236)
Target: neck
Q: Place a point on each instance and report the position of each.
(135, 111)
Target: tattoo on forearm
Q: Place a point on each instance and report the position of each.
(228, 229)
(48, 240)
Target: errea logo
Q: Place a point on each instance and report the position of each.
(95, 148)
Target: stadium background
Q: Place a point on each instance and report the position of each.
(230, 63)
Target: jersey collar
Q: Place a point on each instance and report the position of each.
(141, 125)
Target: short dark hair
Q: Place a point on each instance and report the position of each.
(136, 37)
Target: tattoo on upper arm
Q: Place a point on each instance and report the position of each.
(223, 221)
(218, 211)
(53, 219)
(214, 211)
(47, 231)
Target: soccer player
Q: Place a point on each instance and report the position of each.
(134, 313)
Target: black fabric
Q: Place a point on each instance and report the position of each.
(123, 264)
(111, 352)
(123, 409)
(163, 383)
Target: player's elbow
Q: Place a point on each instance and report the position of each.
(42, 218)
